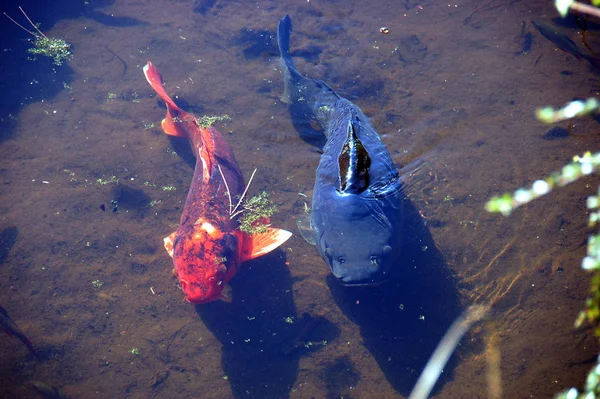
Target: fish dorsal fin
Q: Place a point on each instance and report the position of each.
(170, 243)
(354, 162)
(259, 244)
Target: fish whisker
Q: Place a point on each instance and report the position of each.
(235, 212)
(227, 188)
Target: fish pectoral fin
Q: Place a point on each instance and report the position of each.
(170, 243)
(305, 229)
(259, 244)
(226, 294)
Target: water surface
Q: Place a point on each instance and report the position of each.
(90, 186)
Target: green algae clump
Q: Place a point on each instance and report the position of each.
(256, 213)
(208, 120)
(57, 49)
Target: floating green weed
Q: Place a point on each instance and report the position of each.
(57, 49)
(103, 182)
(256, 211)
(209, 120)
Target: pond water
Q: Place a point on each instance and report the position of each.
(89, 186)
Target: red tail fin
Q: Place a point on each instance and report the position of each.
(153, 77)
(174, 113)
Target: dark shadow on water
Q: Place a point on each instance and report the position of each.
(259, 328)
(183, 149)
(32, 81)
(130, 199)
(403, 320)
(255, 43)
(307, 129)
(338, 376)
(8, 238)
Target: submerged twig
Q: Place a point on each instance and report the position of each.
(226, 188)
(233, 210)
(442, 353)
(25, 29)
(234, 213)
(563, 7)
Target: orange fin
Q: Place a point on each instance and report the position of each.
(153, 77)
(226, 294)
(256, 245)
(170, 243)
(173, 111)
(169, 125)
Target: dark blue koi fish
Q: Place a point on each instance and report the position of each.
(357, 204)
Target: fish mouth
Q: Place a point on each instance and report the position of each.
(370, 282)
(199, 300)
(350, 278)
(198, 297)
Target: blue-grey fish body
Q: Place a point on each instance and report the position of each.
(356, 215)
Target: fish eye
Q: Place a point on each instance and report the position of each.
(374, 260)
(341, 259)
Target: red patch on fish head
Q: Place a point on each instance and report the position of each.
(205, 261)
(198, 294)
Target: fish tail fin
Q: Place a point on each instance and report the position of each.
(284, 31)
(290, 73)
(169, 124)
(259, 244)
(153, 77)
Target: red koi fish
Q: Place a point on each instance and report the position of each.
(208, 246)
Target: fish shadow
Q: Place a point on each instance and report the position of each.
(183, 149)
(306, 126)
(8, 238)
(130, 198)
(402, 321)
(257, 328)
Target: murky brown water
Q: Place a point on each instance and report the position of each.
(88, 286)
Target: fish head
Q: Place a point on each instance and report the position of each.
(205, 261)
(360, 241)
(199, 293)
